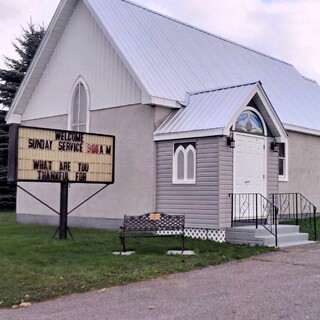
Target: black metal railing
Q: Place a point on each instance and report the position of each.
(296, 207)
(255, 209)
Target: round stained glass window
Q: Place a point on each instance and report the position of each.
(249, 122)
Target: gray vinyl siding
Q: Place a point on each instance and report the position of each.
(199, 202)
(206, 204)
(272, 169)
(225, 182)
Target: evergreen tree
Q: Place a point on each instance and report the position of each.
(10, 80)
(26, 47)
(7, 191)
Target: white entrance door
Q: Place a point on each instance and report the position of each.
(249, 164)
(249, 175)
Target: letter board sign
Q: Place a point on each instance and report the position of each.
(62, 156)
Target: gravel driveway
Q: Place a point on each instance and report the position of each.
(277, 285)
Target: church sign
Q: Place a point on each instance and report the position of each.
(47, 155)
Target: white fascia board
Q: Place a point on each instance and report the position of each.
(291, 127)
(14, 118)
(258, 89)
(189, 134)
(273, 114)
(232, 121)
(162, 102)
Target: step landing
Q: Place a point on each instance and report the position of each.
(288, 235)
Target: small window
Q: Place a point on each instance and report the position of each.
(249, 122)
(184, 163)
(282, 160)
(79, 108)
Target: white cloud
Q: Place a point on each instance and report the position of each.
(15, 14)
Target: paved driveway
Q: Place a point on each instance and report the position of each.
(278, 285)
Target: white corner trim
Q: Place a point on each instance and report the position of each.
(188, 134)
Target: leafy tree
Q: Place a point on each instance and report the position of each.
(10, 80)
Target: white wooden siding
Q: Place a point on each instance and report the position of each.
(199, 202)
(82, 50)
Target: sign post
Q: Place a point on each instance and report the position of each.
(63, 221)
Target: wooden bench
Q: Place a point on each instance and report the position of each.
(155, 224)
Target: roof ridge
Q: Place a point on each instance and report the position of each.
(204, 31)
(223, 88)
(309, 79)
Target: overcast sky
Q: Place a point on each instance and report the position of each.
(285, 29)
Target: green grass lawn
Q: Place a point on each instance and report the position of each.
(305, 229)
(35, 267)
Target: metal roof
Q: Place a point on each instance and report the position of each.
(207, 110)
(171, 58)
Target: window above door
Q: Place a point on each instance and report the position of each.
(249, 122)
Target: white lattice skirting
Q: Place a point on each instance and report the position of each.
(218, 235)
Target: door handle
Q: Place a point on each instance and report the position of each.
(247, 181)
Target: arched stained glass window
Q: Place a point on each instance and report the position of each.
(79, 108)
(249, 122)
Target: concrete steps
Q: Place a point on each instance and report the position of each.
(288, 235)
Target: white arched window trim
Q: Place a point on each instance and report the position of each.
(185, 179)
(79, 80)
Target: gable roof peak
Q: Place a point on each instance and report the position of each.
(223, 88)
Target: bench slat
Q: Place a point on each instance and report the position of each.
(144, 223)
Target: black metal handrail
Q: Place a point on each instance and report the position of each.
(256, 209)
(296, 207)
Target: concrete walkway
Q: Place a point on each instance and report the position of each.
(278, 285)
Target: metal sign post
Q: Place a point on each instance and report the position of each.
(63, 222)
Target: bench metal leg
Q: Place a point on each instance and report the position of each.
(122, 244)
